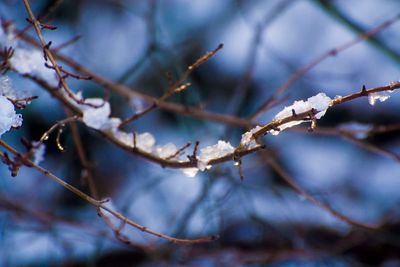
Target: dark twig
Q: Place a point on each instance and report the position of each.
(332, 52)
(176, 87)
(101, 203)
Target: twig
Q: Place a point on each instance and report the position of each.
(57, 125)
(129, 93)
(332, 52)
(371, 147)
(239, 151)
(100, 203)
(176, 87)
(358, 29)
(67, 43)
(337, 101)
(49, 55)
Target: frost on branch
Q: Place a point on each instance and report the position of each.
(20, 98)
(166, 150)
(145, 142)
(319, 102)
(248, 140)
(381, 96)
(96, 117)
(8, 116)
(208, 153)
(26, 61)
(32, 62)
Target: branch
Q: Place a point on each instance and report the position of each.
(176, 87)
(49, 55)
(129, 93)
(332, 10)
(337, 101)
(363, 35)
(100, 204)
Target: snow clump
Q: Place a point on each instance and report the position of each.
(8, 117)
(248, 140)
(319, 102)
(208, 153)
(381, 96)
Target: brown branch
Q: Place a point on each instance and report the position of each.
(351, 136)
(239, 152)
(67, 43)
(370, 147)
(330, 53)
(100, 203)
(176, 87)
(87, 166)
(89, 177)
(337, 101)
(49, 55)
(129, 93)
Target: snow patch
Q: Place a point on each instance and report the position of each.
(319, 102)
(208, 153)
(248, 140)
(8, 117)
(381, 96)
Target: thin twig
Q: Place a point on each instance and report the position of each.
(332, 52)
(337, 101)
(101, 204)
(176, 87)
(129, 93)
(239, 151)
(357, 28)
(49, 55)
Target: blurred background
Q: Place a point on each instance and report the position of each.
(260, 220)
